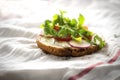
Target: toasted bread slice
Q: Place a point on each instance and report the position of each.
(51, 46)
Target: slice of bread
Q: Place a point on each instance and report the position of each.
(51, 46)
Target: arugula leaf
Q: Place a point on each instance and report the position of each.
(62, 33)
(62, 12)
(89, 33)
(42, 26)
(73, 23)
(58, 19)
(55, 17)
(98, 41)
(48, 27)
(82, 31)
(81, 19)
(84, 37)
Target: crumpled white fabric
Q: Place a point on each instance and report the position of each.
(21, 59)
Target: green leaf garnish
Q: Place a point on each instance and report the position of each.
(81, 19)
(62, 27)
(98, 41)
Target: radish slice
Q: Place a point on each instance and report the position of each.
(82, 44)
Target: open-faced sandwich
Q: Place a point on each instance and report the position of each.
(64, 36)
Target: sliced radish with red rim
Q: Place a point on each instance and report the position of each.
(82, 44)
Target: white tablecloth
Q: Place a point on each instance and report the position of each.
(21, 59)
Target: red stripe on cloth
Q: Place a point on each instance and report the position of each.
(114, 58)
(85, 71)
(88, 69)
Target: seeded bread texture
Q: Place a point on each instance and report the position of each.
(66, 51)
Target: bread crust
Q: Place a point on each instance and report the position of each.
(66, 51)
